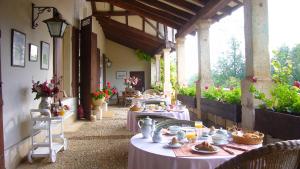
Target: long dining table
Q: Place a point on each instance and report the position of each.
(175, 114)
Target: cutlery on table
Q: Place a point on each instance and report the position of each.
(227, 150)
(236, 148)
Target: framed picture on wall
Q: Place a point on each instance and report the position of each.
(18, 43)
(45, 53)
(33, 53)
(121, 74)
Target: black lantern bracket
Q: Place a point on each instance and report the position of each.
(37, 11)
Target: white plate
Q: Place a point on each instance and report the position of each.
(217, 149)
(178, 145)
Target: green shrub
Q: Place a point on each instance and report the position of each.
(187, 91)
(284, 97)
(232, 96)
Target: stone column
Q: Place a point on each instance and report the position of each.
(181, 62)
(204, 70)
(257, 57)
(167, 82)
(157, 66)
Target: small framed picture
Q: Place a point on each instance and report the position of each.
(33, 53)
(45, 53)
(18, 45)
(121, 74)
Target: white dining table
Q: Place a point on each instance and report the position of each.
(132, 117)
(144, 154)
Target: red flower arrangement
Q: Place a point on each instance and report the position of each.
(106, 92)
(46, 89)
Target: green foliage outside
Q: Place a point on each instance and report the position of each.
(292, 55)
(142, 55)
(232, 96)
(187, 91)
(158, 88)
(173, 73)
(230, 68)
(284, 97)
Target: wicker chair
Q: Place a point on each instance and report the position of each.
(280, 155)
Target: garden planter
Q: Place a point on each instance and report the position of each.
(278, 125)
(232, 112)
(189, 101)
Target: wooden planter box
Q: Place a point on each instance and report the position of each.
(278, 125)
(189, 101)
(232, 112)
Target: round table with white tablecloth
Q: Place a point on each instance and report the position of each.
(144, 154)
(132, 117)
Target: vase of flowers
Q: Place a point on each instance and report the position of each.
(100, 96)
(131, 81)
(45, 91)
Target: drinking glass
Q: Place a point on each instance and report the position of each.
(191, 135)
(199, 126)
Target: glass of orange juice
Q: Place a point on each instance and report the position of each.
(191, 135)
(199, 126)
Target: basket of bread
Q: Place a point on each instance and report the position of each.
(249, 137)
(136, 108)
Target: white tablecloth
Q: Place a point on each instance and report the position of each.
(144, 154)
(132, 122)
(145, 99)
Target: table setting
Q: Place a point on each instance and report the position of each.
(188, 147)
(162, 110)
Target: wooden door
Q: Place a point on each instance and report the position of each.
(58, 63)
(141, 83)
(104, 68)
(1, 117)
(98, 67)
(75, 62)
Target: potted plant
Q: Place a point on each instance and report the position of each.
(100, 96)
(279, 113)
(45, 91)
(225, 103)
(187, 95)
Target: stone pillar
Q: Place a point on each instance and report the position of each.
(257, 57)
(181, 62)
(157, 66)
(204, 70)
(167, 82)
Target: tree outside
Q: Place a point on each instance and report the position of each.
(230, 68)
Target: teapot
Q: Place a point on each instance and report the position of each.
(146, 126)
(220, 137)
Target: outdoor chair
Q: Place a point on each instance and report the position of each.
(280, 155)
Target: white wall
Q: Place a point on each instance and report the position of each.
(124, 59)
(17, 96)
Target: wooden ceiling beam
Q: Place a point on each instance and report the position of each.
(106, 22)
(146, 11)
(169, 9)
(112, 13)
(185, 5)
(207, 12)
